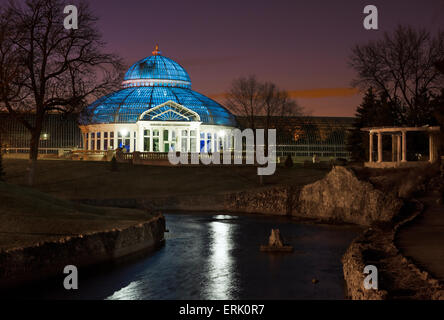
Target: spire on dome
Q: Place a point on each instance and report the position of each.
(156, 51)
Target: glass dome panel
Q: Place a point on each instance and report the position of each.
(148, 83)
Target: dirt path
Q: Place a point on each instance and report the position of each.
(423, 239)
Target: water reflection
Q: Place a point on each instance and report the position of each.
(220, 262)
(218, 257)
(130, 292)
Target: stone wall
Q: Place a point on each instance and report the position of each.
(398, 277)
(49, 258)
(339, 197)
(353, 264)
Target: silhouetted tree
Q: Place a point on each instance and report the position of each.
(402, 67)
(438, 101)
(46, 68)
(252, 98)
(373, 112)
(244, 98)
(276, 103)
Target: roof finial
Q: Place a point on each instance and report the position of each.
(156, 51)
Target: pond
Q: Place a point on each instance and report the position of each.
(211, 256)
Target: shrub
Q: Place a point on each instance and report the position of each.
(2, 172)
(114, 164)
(289, 162)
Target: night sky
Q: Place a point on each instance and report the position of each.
(302, 46)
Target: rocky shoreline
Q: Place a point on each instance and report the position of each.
(378, 201)
(399, 277)
(22, 265)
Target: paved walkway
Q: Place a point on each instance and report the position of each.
(423, 239)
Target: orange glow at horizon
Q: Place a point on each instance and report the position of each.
(309, 93)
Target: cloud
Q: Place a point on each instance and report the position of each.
(309, 93)
(197, 62)
(323, 93)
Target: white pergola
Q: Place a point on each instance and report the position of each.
(399, 144)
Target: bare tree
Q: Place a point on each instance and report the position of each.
(45, 68)
(245, 98)
(251, 98)
(402, 66)
(439, 112)
(440, 66)
(276, 103)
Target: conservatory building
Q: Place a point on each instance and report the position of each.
(157, 111)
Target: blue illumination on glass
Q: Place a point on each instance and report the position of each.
(171, 83)
(157, 67)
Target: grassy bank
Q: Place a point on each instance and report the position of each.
(95, 180)
(28, 216)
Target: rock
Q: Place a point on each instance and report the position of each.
(275, 239)
(343, 197)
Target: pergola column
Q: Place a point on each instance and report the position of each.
(379, 147)
(85, 147)
(433, 148)
(393, 148)
(370, 148)
(398, 148)
(404, 146)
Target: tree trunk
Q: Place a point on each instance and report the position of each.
(261, 180)
(33, 155)
(267, 127)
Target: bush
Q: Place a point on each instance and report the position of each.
(289, 162)
(114, 164)
(2, 172)
(341, 162)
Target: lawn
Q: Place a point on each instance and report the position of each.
(95, 180)
(28, 216)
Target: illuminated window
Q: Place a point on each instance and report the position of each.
(111, 140)
(146, 140)
(215, 143)
(156, 145)
(209, 143)
(184, 145)
(193, 141)
(98, 141)
(202, 142)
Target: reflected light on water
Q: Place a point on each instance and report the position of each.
(220, 262)
(130, 292)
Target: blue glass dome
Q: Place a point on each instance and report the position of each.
(149, 83)
(126, 105)
(157, 67)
